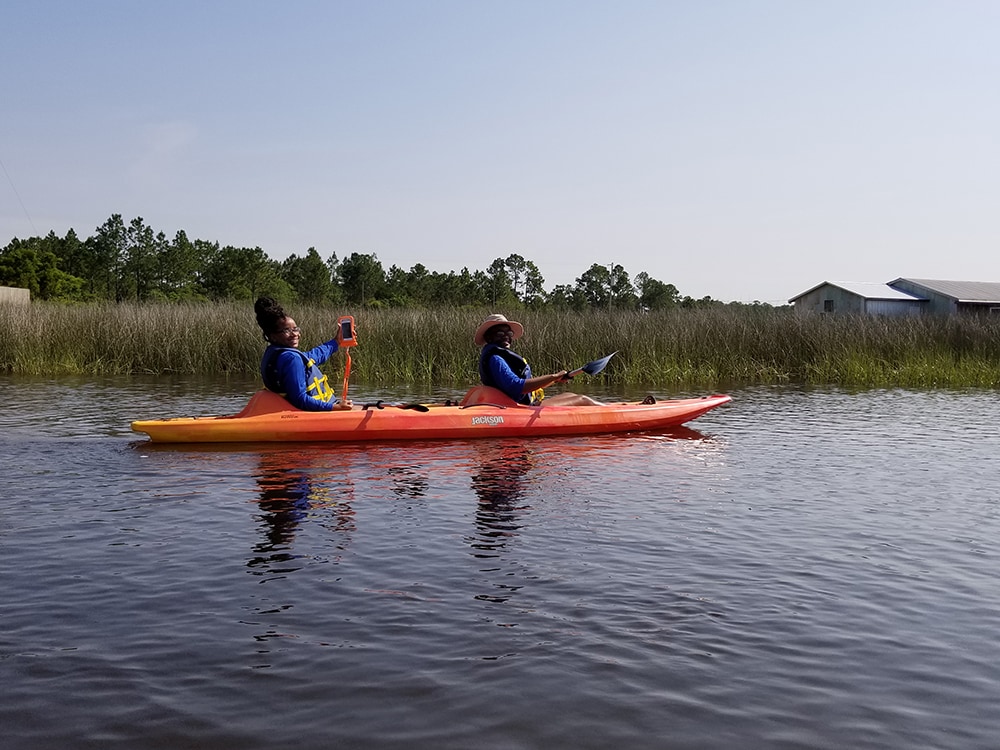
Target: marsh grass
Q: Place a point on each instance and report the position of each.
(709, 348)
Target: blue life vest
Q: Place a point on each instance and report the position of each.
(317, 384)
(517, 363)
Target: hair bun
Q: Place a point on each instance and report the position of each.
(268, 313)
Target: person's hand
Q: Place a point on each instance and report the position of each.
(344, 405)
(563, 376)
(339, 338)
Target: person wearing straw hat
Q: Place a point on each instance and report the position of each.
(502, 368)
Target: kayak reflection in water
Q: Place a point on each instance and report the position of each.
(502, 368)
(290, 372)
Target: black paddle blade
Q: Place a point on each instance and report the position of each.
(592, 368)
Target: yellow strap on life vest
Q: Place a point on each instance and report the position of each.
(322, 389)
(321, 386)
(538, 394)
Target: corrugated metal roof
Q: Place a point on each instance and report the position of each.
(963, 291)
(866, 289)
(873, 290)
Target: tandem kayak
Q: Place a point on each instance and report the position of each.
(483, 413)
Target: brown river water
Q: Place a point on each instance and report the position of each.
(799, 569)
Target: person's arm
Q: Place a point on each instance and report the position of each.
(543, 381)
(292, 373)
(323, 352)
(516, 387)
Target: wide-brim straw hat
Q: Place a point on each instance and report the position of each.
(497, 320)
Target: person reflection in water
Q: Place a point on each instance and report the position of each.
(287, 499)
(284, 500)
(499, 486)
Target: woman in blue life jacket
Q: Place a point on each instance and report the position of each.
(290, 372)
(502, 368)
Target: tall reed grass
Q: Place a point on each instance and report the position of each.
(714, 347)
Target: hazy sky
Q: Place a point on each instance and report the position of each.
(742, 150)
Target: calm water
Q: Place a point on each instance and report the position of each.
(808, 569)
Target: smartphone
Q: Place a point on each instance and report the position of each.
(346, 324)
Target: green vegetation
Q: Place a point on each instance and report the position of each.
(715, 347)
(130, 300)
(132, 263)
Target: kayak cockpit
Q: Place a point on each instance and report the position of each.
(264, 402)
(267, 402)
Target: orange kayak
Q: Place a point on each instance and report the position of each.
(483, 413)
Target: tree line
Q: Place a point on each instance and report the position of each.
(132, 263)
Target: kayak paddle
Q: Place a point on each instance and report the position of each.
(591, 368)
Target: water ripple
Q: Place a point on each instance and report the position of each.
(808, 568)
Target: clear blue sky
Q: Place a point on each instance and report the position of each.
(742, 150)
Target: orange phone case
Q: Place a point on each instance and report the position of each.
(346, 324)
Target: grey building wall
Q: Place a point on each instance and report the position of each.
(830, 299)
(893, 308)
(14, 295)
(936, 304)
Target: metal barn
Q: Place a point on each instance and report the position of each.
(945, 297)
(858, 298)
